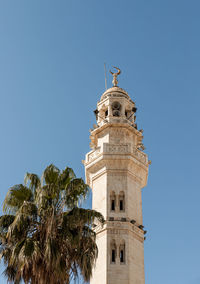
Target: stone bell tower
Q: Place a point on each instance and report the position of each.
(116, 169)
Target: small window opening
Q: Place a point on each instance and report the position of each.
(121, 256)
(106, 113)
(121, 201)
(126, 113)
(113, 255)
(112, 201)
(116, 107)
(113, 205)
(122, 252)
(116, 112)
(113, 251)
(121, 205)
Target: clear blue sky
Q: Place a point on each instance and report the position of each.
(51, 77)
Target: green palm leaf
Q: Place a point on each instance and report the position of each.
(15, 198)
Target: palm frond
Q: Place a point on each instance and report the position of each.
(21, 225)
(75, 192)
(6, 221)
(51, 174)
(86, 216)
(10, 273)
(33, 180)
(15, 198)
(65, 177)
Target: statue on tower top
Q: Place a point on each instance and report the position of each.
(115, 81)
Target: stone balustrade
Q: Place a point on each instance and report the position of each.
(117, 149)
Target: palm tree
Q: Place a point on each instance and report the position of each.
(45, 237)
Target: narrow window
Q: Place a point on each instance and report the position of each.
(121, 256)
(121, 205)
(106, 113)
(113, 251)
(113, 255)
(122, 252)
(112, 201)
(121, 201)
(113, 205)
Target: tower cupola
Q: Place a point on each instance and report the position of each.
(116, 109)
(115, 106)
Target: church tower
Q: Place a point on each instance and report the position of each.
(116, 169)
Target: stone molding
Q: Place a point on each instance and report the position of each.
(114, 171)
(116, 162)
(118, 228)
(113, 125)
(115, 92)
(116, 149)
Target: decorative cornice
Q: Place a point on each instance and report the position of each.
(121, 228)
(115, 91)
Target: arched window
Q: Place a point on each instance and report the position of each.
(128, 114)
(116, 107)
(122, 252)
(121, 201)
(106, 113)
(112, 201)
(113, 251)
(101, 115)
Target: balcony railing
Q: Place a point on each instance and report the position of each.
(117, 149)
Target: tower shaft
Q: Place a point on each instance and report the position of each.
(116, 170)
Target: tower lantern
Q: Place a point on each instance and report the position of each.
(116, 169)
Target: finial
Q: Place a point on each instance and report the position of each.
(115, 82)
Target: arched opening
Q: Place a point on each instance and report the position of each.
(106, 113)
(113, 251)
(112, 201)
(129, 114)
(121, 201)
(122, 252)
(116, 107)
